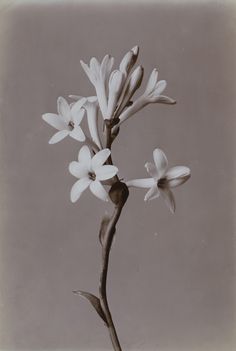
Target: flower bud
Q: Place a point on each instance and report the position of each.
(133, 84)
(135, 50)
(126, 62)
(135, 80)
(115, 85)
(115, 81)
(119, 193)
(129, 60)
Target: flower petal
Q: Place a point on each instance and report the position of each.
(92, 118)
(78, 116)
(98, 190)
(84, 156)
(76, 110)
(102, 97)
(75, 97)
(63, 108)
(78, 188)
(141, 183)
(78, 170)
(152, 170)
(160, 162)
(106, 172)
(88, 71)
(178, 175)
(160, 87)
(55, 121)
(163, 99)
(95, 66)
(58, 136)
(106, 66)
(152, 193)
(77, 134)
(152, 81)
(99, 159)
(169, 198)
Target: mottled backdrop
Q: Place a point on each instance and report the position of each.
(171, 279)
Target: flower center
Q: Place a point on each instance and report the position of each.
(71, 125)
(161, 183)
(92, 176)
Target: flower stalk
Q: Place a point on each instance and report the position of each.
(106, 248)
(119, 194)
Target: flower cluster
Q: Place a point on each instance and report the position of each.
(105, 112)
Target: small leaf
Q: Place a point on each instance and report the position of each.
(103, 228)
(95, 302)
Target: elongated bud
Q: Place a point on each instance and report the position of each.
(119, 193)
(129, 60)
(133, 84)
(126, 62)
(135, 80)
(115, 85)
(115, 81)
(135, 50)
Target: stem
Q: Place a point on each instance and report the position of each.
(103, 277)
(108, 145)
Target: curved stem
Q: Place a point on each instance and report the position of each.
(106, 247)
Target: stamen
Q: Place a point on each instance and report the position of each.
(92, 176)
(162, 182)
(71, 125)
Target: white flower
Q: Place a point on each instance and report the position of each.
(91, 171)
(67, 121)
(91, 107)
(152, 94)
(163, 179)
(98, 75)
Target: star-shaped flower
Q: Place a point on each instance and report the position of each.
(91, 171)
(162, 179)
(67, 121)
(91, 107)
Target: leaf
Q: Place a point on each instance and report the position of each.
(95, 302)
(103, 228)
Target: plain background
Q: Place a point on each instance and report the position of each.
(171, 277)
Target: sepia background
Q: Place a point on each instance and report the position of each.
(171, 279)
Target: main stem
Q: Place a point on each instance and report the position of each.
(103, 277)
(118, 194)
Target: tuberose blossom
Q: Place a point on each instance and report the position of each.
(98, 74)
(91, 171)
(152, 94)
(67, 121)
(91, 107)
(110, 86)
(162, 179)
